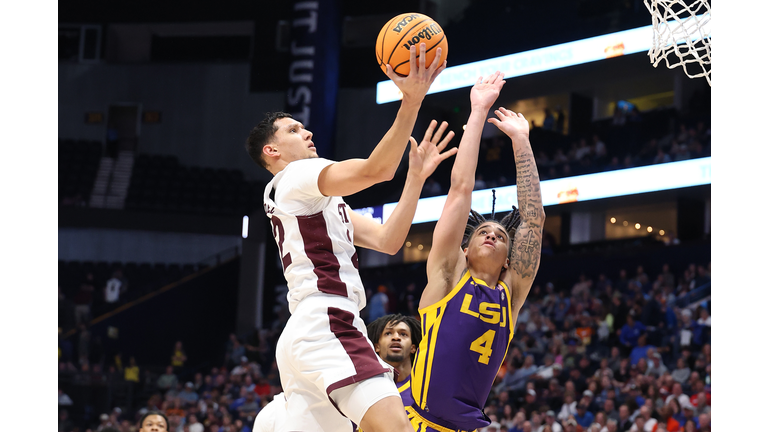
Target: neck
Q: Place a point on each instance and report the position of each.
(403, 370)
(490, 277)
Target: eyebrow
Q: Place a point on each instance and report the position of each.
(290, 125)
(487, 225)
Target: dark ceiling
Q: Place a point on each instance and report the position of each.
(483, 29)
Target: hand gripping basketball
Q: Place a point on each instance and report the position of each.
(416, 85)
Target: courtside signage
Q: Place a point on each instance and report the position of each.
(653, 178)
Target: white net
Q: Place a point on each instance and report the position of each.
(681, 35)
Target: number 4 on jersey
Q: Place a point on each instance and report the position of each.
(482, 345)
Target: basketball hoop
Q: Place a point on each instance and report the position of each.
(682, 36)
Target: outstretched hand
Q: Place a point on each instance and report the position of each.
(485, 91)
(512, 124)
(416, 85)
(424, 158)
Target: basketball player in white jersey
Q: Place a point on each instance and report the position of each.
(328, 367)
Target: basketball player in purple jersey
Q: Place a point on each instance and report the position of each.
(328, 367)
(395, 338)
(479, 273)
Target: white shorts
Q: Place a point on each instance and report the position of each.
(329, 370)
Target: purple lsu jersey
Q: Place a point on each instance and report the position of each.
(465, 337)
(404, 387)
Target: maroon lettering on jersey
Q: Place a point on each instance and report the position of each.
(319, 250)
(279, 233)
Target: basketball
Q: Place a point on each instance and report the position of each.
(398, 34)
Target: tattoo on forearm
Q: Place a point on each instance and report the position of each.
(526, 252)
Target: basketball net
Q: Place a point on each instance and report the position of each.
(681, 35)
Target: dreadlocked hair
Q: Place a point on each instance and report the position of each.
(510, 222)
(376, 328)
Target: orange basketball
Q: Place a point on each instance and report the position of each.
(398, 34)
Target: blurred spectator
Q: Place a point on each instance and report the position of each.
(188, 395)
(560, 123)
(569, 407)
(84, 300)
(194, 424)
(179, 357)
(64, 399)
(550, 422)
(65, 423)
(115, 287)
(250, 407)
(583, 417)
(377, 305)
(67, 314)
(132, 371)
(549, 120)
(631, 334)
(168, 380)
(682, 372)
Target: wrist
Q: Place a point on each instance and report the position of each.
(411, 102)
(480, 107)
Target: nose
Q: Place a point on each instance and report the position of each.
(309, 135)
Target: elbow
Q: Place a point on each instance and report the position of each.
(461, 185)
(381, 175)
(391, 249)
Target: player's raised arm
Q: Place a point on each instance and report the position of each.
(351, 176)
(526, 247)
(423, 159)
(444, 260)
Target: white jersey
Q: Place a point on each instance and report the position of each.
(272, 416)
(314, 235)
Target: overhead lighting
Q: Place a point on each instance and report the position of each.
(626, 223)
(613, 220)
(421, 247)
(631, 181)
(661, 232)
(650, 229)
(637, 226)
(245, 226)
(464, 127)
(407, 244)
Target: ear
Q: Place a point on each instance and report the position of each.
(413, 348)
(376, 347)
(270, 151)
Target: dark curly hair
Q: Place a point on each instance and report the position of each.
(376, 328)
(261, 135)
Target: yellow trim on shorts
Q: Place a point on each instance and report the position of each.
(418, 421)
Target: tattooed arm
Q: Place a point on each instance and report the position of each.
(526, 247)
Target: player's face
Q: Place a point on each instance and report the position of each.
(293, 141)
(154, 423)
(490, 241)
(395, 344)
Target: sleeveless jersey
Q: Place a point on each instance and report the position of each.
(465, 337)
(313, 234)
(404, 387)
